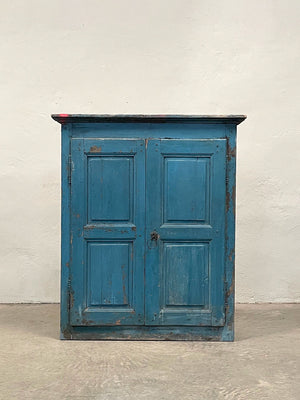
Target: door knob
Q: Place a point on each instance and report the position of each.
(154, 235)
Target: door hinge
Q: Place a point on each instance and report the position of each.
(69, 295)
(69, 169)
(69, 302)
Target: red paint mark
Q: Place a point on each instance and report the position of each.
(64, 115)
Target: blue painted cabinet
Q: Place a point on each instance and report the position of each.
(148, 227)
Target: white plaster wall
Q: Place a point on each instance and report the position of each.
(158, 56)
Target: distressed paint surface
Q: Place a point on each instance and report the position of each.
(148, 205)
(107, 229)
(110, 195)
(184, 235)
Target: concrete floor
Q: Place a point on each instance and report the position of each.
(263, 362)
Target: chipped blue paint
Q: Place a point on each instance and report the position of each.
(191, 226)
(148, 227)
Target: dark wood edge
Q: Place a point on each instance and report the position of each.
(94, 118)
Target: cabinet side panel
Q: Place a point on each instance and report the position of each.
(228, 332)
(66, 131)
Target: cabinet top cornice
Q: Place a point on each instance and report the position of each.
(96, 118)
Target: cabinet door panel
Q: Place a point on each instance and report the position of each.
(107, 232)
(185, 208)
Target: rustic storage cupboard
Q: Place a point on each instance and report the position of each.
(148, 223)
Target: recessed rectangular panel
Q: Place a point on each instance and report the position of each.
(186, 268)
(108, 274)
(110, 181)
(186, 189)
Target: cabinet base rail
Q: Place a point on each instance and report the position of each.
(204, 333)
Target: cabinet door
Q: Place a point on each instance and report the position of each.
(107, 232)
(185, 212)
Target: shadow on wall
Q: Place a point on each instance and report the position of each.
(259, 320)
(31, 319)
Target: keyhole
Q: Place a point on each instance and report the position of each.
(154, 235)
